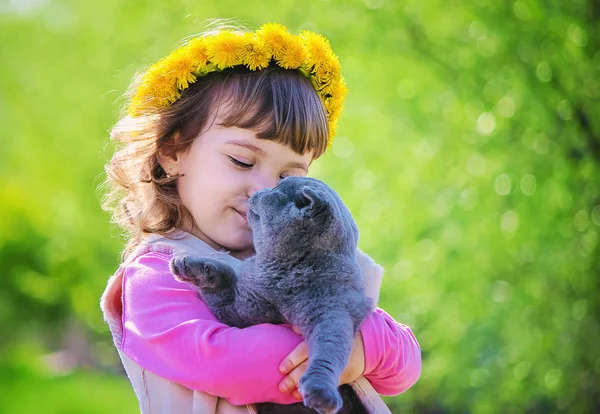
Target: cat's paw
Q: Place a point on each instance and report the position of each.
(198, 271)
(319, 395)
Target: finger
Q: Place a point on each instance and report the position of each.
(296, 329)
(291, 381)
(296, 394)
(295, 358)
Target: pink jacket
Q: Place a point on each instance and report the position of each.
(179, 357)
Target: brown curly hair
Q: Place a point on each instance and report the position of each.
(277, 104)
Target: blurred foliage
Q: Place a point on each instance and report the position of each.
(90, 393)
(469, 152)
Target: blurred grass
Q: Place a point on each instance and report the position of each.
(75, 393)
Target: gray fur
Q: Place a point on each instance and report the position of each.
(304, 273)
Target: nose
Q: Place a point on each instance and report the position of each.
(260, 182)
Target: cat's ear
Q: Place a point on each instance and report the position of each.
(314, 201)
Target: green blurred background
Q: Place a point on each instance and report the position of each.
(468, 151)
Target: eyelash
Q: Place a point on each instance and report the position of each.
(248, 166)
(241, 164)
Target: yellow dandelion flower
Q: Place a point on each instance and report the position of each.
(247, 40)
(274, 35)
(162, 93)
(293, 55)
(153, 84)
(317, 48)
(155, 92)
(159, 69)
(325, 75)
(329, 70)
(165, 100)
(198, 51)
(335, 87)
(327, 89)
(257, 54)
(225, 49)
(180, 66)
(340, 90)
(333, 107)
(332, 131)
(310, 53)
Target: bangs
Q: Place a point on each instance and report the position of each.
(278, 104)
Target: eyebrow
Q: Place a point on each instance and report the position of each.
(251, 147)
(298, 165)
(247, 145)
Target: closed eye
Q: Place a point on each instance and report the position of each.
(240, 163)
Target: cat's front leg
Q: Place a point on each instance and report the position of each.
(216, 282)
(329, 342)
(205, 273)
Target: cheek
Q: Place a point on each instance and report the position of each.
(191, 196)
(205, 193)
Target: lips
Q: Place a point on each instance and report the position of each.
(247, 212)
(242, 214)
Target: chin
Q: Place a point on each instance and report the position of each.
(243, 242)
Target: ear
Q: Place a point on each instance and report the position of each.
(314, 201)
(168, 160)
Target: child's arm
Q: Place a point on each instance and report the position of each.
(389, 357)
(170, 332)
(392, 354)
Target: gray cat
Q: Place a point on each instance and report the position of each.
(304, 273)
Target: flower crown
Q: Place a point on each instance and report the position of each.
(309, 52)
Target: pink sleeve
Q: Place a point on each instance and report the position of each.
(392, 354)
(168, 330)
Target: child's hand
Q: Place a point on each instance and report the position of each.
(295, 364)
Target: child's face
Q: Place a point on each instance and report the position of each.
(222, 169)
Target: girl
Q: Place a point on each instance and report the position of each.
(228, 114)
